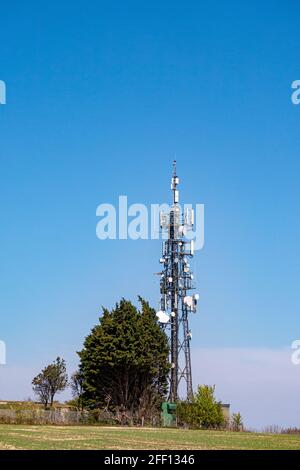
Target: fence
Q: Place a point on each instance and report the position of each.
(40, 416)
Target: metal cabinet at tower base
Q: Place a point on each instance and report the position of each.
(168, 414)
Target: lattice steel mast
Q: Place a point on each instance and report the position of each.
(176, 282)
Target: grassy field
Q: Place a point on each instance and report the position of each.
(92, 437)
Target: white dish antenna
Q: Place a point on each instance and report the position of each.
(162, 316)
(188, 300)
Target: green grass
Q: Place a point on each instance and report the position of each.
(95, 437)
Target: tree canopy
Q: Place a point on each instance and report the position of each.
(51, 380)
(204, 411)
(124, 361)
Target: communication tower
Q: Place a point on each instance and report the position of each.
(176, 284)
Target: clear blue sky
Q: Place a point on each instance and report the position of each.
(100, 97)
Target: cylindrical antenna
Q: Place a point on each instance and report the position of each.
(174, 168)
(174, 184)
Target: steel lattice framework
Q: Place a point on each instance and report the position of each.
(175, 284)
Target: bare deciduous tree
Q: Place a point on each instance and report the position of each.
(76, 384)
